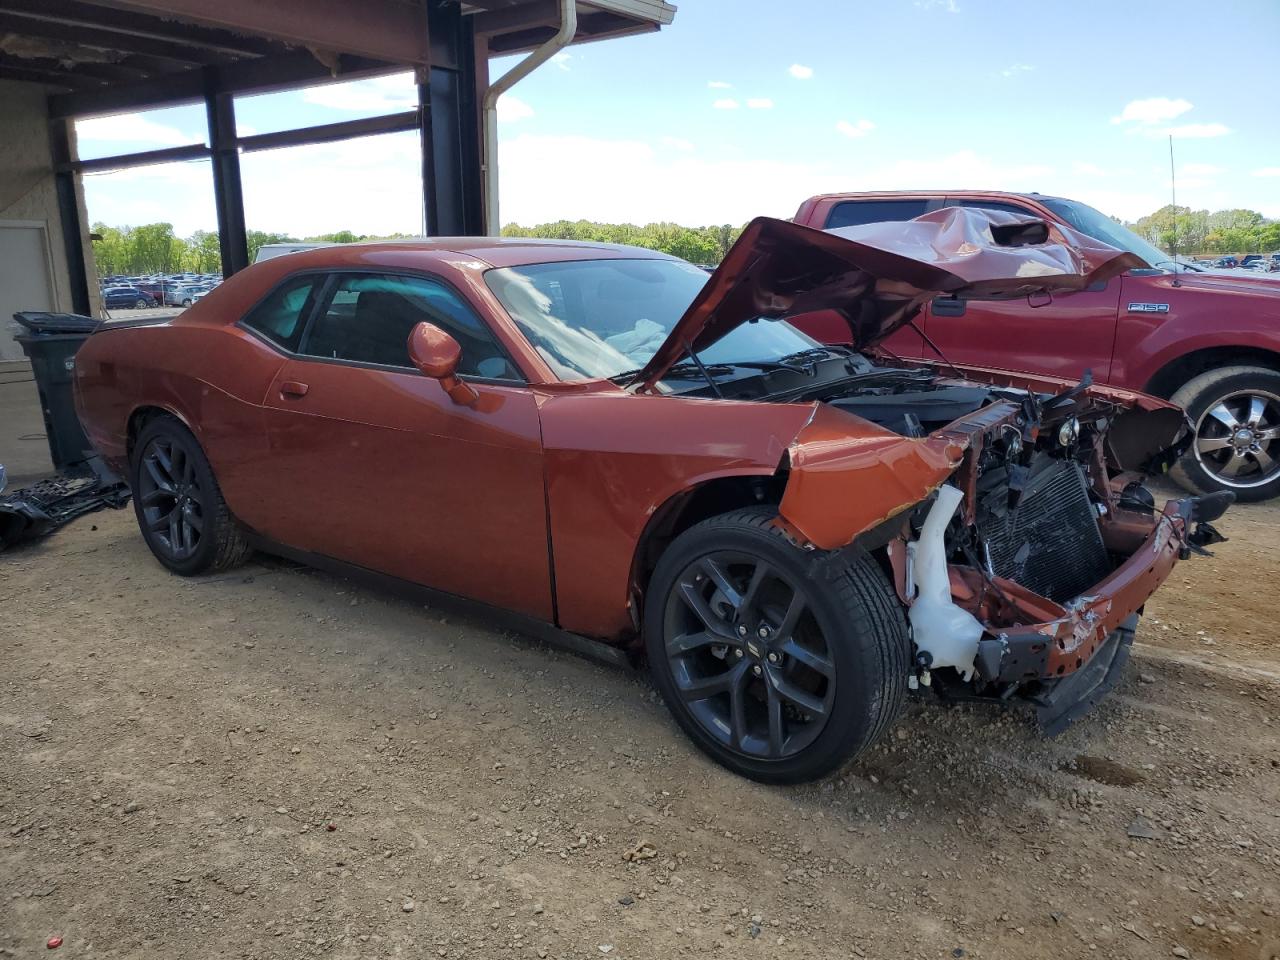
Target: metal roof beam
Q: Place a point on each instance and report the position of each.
(260, 75)
(81, 14)
(381, 29)
(103, 39)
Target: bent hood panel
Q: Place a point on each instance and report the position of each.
(878, 275)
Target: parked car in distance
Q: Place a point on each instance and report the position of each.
(178, 295)
(1226, 263)
(607, 443)
(114, 298)
(1208, 341)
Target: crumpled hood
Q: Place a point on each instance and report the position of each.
(879, 275)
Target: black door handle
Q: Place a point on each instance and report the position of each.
(948, 307)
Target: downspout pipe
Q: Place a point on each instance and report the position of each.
(564, 36)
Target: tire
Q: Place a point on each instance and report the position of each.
(141, 304)
(1236, 414)
(204, 537)
(844, 658)
(187, 302)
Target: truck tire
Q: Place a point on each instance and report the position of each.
(1236, 415)
(780, 663)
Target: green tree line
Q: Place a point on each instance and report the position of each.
(156, 248)
(1191, 232)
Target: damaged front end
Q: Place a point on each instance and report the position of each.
(1021, 536)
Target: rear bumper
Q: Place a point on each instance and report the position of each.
(1066, 638)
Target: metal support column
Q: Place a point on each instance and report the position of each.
(452, 190)
(64, 179)
(228, 196)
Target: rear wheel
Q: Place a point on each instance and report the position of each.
(778, 674)
(1236, 414)
(179, 507)
(141, 304)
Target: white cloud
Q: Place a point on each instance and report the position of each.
(800, 71)
(1199, 169)
(1151, 117)
(1086, 169)
(727, 103)
(1152, 110)
(1195, 131)
(677, 143)
(719, 85)
(562, 59)
(1015, 69)
(381, 95)
(851, 130)
(950, 6)
(133, 128)
(760, 103)
(1267, 172)
(512, 108)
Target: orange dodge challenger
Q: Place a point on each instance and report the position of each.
(622, 453)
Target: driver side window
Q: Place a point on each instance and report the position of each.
(367, 318)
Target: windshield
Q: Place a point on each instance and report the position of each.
(1101, 227)
(600, 318)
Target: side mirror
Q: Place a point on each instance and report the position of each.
(436, 354)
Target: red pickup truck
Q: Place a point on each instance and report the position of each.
(1208, 341)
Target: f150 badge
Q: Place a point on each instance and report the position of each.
(1148, 308)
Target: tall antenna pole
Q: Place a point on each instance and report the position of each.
(1173, 193)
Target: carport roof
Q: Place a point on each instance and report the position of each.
(114, 55)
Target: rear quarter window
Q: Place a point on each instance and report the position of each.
(855, 213)
(281, 317)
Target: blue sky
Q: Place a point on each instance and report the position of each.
(743, 107)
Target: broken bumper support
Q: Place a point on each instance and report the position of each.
(1075, 634)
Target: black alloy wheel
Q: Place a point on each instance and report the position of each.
(179, 506)
(748, 658)
(170, 497)
(776, 672)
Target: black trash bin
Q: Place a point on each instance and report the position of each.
(51, 342)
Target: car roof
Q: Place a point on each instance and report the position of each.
(929, 194)
(489, 251)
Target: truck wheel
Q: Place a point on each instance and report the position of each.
(1236, 414)
(780, 663)
(179, 507)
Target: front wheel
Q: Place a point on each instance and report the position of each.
(186, 302)
(1236, 414)
(141, 304)
(178, 503)
(778, 670)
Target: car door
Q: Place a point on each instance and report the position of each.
(1062, 337)
(377, 466)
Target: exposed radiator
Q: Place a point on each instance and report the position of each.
(1050, 541)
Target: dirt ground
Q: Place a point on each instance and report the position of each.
(277, 764)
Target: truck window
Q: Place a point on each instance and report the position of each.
(854, 213)
(995, 205)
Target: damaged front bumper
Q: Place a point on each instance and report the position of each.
(1035, 639)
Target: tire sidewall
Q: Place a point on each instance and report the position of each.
(857, 670)
(1204, 399)
(206, 551)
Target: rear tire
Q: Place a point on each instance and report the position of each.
(781, 664)
(1236, 415)
(183, 518)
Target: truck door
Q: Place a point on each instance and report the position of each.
(1062, 338)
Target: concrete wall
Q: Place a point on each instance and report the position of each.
(27, 187)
